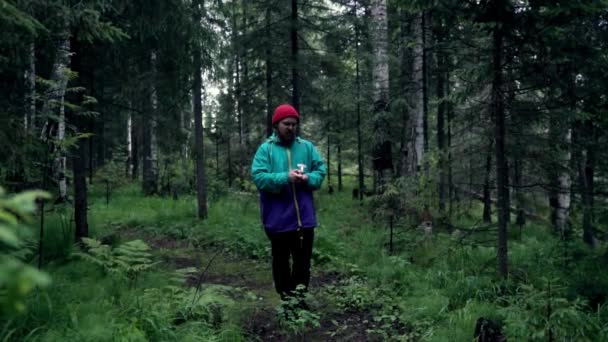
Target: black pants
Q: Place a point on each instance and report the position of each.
(285, 274)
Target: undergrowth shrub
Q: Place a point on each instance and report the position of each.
(293, 316)
(126, 261)
(541, 313)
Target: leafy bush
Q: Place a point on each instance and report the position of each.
(17, 278)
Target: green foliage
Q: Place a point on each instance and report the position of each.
(294, 316)
(11, 15)
(536, 313)
(17, 278)
(127, 261)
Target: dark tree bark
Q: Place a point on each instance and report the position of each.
(441, 110)
(450, 115)
(80, 191)
(328, 159)
(136, 136)
(498, 112)
(201, 187)
(339, 166)
(217, 153)
(425, 91)
(79, 157)
(268, 56)
(519, 194)
(295, 77)
(229, 159)
(584, 137)
(487, 195)
(150, 173)
(358, 99)
(382, 155)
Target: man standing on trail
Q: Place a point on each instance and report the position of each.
(286, 170)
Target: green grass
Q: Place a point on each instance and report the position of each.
(431, 289)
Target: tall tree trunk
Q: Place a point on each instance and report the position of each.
(450, 114)
(91, 145)
(217, 153)
(201, 188)
(129, 170)
(63, 54)
(295, 77)
(54, 106)
(229, 159)
(519, 193)
(29, 118)
(328, 159)
(585, 138)
(239, 114)
(441, 110)
(150, 172)
(487, 194)
(589, 186)
(268, 57)
(358, 99)
(80, 191)
(382, 143)
(498, 112)
(185, 118)
(564, 184)
(339, 165)
(425, 92)
(404, 81)
(417, 127)
(79, 158)
(136, 143)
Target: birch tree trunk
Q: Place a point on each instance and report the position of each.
(129, 170)
(54, 103)
(380, 75)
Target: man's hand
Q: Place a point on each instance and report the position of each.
(297, 176)
(294, 176)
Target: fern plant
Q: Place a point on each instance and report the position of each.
(127, 261)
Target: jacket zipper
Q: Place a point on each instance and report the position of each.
(295, 202)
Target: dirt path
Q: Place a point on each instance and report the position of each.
(228, 268)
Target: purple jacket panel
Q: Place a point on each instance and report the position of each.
(279, 210)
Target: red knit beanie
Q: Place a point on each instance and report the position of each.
(284, 111)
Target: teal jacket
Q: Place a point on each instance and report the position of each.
(286, 206)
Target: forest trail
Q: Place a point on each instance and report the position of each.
(221, 266)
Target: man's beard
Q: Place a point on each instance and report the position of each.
(287, 137)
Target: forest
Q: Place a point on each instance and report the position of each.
(465, 198)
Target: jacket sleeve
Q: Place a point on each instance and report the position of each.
(263, 178)
(318, 170)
